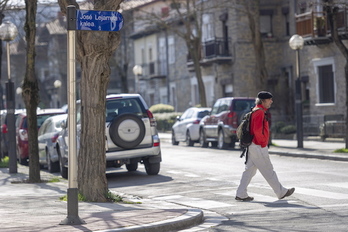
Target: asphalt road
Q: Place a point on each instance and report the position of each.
(207, 179)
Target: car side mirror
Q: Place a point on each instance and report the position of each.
(177, 118)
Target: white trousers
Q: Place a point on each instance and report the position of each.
(258, 158)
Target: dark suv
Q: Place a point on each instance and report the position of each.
(130, 132)
(220, 126)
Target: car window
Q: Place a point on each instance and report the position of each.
(215, 107)
(58, 124)
(115, 107)
(42, 129)
(189, 113)
(18, 121)
(201, 114)
(243, 105)
(41, 119)
(224, 105)
(185, 114)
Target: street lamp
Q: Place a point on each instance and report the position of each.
(8, 32)
(138, 71)
(296, 43)
(57, 84)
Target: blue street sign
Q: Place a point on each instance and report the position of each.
(91, 20)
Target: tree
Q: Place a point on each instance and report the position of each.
(253, 13)
(189, 14)
(332, 9)
(94, 50)
(30, 92)
(3, 5)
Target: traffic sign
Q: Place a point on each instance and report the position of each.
(92, 20)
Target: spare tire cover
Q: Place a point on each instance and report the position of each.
(127, 131)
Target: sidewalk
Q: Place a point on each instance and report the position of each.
(36, 207)
(311, 149)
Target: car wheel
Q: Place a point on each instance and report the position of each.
(189, 142)
(63, 169)
(127, 131)
(221, 140)
(202, 141)
(174, 142)
(152, 168)
(51, 166)
(132, 167)
(23, 161)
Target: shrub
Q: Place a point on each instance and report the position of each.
(278, 126)
(4, 162)
(165, 121)
(288, 129)
(161, 108)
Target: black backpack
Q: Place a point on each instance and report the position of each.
(243, 133)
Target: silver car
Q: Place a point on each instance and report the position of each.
(186, 127)
(131, 135)
(47, 140)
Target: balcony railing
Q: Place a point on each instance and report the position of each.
(215, 50)
(312, 25)
(154, 69)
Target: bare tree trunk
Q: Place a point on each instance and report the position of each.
(252, 9)
(195, 52)
(31, 91)
(94, 50)
(332, 12)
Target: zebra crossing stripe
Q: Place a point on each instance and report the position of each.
(321, 193)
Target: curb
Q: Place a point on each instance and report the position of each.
(191, 218)
(311, 156)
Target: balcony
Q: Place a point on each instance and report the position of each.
(213, 51)
(154, 69)
(314, 27)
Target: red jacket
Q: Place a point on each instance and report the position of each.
(259, 127)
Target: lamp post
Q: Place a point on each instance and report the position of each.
(57, 84)
(138, 71)
(8, 32)
(296, 43)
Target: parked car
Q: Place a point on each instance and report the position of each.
(131, 135)
(4, 130)
(22, 131)
(47, 140)
(219, 127)
(186, 127)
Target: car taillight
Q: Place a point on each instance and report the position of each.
(233, 119)
(4, 129)
(152, 119)
(196, 121)
(23, 135)
(156, 141)
(54, 138)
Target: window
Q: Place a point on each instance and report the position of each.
(171, 50)
(164, 12)
(143, 55)
(162, 56)
(326, 84)
(285, 11)
(207, 29)
(324, 70)
(266, 27)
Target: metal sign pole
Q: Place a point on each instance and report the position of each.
(73, 217)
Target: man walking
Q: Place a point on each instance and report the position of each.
(258, 157)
